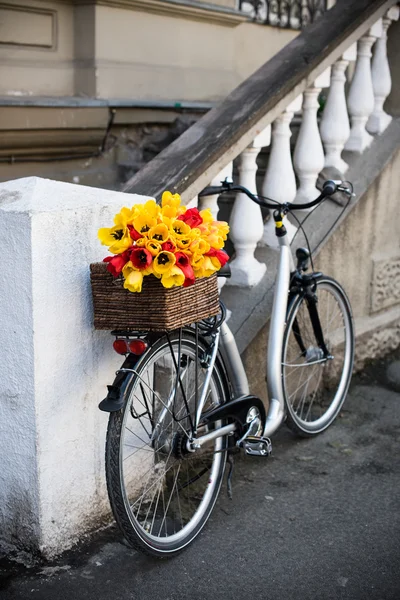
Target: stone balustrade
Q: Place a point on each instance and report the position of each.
(325, 131)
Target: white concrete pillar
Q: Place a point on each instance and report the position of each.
(381, 79)
(280, 181)
(55, 367)
(335, 126)
(211, 202)
(246, 224)
(361, 100)
(309, 156)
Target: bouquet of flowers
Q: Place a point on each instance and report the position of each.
(175, 244)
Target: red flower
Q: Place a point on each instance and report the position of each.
(182, 261)
(168, 246)
(220, 255)
(140, 258)
(116, 263)
(133, 233)
(192, 217)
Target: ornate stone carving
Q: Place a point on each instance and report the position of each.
(385, 289)
(377, 343)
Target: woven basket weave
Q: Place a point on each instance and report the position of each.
(155, 308)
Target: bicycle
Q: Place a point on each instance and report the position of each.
(180, 405)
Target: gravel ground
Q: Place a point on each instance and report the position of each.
(318, 520)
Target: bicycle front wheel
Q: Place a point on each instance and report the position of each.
(314, 386)
(161, 494)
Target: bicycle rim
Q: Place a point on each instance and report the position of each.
(161, 494)
(315, 387)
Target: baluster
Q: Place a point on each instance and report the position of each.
(381, 79)
(246, 220)
(308, 158)
(280, 181)
(193, 203)
(360, 100)
(211, 202)
(335, 126)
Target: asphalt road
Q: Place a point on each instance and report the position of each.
(319, 520)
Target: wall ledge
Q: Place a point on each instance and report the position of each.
(198, 11)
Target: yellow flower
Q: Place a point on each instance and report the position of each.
(209, 267)
(180, 229)
(195, 233)
(206, 215)
(159, 233)
(174, 277)
(223, 228)
(203, 266)
(167, 213)
(199, 246)
(163, 262)
(133, 278)
(153, 247)
(215, 241)
(122, 218)
(117, 238)
(151, 208)
(144, 222)
(141, 242)
(169, 199)
(184, 242)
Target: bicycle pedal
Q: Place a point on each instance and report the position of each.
(257, 446)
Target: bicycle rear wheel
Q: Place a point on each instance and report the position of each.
(161, 494)
(315, 387)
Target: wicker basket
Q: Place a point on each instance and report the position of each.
(155, 308)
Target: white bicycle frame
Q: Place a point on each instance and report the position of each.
(227, 346)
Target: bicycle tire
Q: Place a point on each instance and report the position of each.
(314, 401)
(141, 530)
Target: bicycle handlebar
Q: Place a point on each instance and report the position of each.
(329, 188)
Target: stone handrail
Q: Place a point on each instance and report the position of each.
(290, 82)
(189, 163)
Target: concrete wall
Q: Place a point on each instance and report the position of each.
(36, 48)
(392, 105)
(370, 239)
(55, 367)
(162, 51)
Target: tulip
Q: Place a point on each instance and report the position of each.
(141, 258)
(182, 261)
(163, 262)
(116, 238)
(192, 217)
(174, 277)
(133, 278)
(116, 263)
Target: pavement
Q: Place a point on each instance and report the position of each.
(318, 520)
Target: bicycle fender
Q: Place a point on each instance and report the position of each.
(236, 409)
(115, 398)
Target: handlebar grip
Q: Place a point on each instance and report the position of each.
(212, 190)
(329, 188)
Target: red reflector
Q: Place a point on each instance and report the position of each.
(137, 346)
(120, 346)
